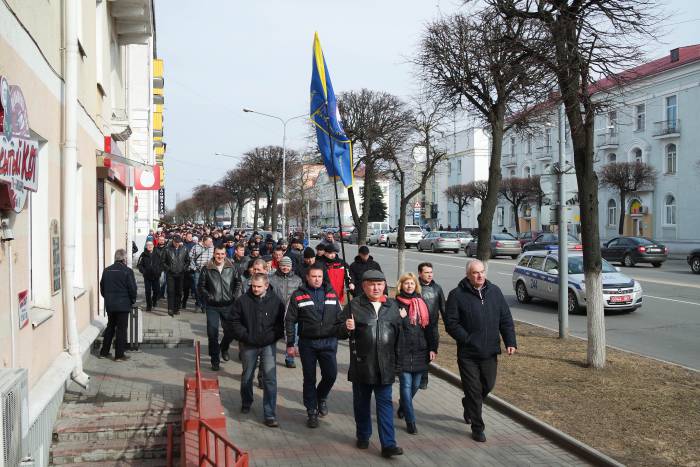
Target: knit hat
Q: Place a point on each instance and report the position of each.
(286, 261)
(309, 252)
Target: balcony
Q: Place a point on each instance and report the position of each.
(667, 129)
(134, 20)
(544, 153)
(608, 139)
(509, 160)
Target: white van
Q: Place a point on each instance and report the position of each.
(376, 227)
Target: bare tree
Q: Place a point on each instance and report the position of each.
(371, 119)
(186, 210)
(467, 60)
(413, 168)
(461, 196)
(537, 196)
(627, 178)
(585, 40)
(239, 187)
(208, 199)
(516, 190)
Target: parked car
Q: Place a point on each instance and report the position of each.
(502, 244)
(694, 260)
(439, 241)
(526, 237)
(632, 250)
(378, 237)
(550, 241)
(316, 232)
(412, 233)
(536, 276)
(464, 239)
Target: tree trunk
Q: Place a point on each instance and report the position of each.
(266, 212)
(460, 208)
(273, 210)
(240, 215)
(362, 228)
(516, 208)
(621, 227)
(596, 322)
(401, 237)
(353, 209)
(256, 211)
(488, 206)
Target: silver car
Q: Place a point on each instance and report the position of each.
(464, 239)
(378, 237)
(502, 244)
(439, 241)
(536, 276)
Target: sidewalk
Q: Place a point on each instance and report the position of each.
(157, 374)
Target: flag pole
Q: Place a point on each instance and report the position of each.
(337, 202)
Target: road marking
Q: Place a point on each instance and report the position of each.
(677, 284)
(672, 300)
(504, 274)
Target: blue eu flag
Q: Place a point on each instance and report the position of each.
(333, 144)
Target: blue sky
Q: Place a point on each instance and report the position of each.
(223, 55)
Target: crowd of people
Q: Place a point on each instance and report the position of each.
(257, 291)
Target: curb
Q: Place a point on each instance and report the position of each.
(556, 436)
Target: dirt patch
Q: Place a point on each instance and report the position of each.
(637, 410)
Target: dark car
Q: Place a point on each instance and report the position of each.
(550, 241)
(632, 250)
(526, 237)
(694, 260)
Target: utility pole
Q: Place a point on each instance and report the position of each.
(563, 234)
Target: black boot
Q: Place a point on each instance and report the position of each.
(411, 428)
(322, 408)
(312, 421)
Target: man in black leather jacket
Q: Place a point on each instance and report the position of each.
(118, 287)
(175, 262)
(477, 316)
(218, 288)
(434, 297)
(373, 323)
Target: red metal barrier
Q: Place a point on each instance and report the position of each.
(211, 442)
(204, 440)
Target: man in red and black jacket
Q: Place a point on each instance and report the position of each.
(337, 270)
(315, 308)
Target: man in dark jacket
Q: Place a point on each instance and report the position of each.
(218, 287)
(434, 297)
(315, 308)
(118, 287)
(149, 267)
(374, 324)
(475, 315)
(239, 258)
(175, 261)
(363, 263)
(257, 322)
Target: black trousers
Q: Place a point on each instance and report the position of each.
(186, 286)
(174, 291)
(478, 378)
(152, 286)
(117, 322)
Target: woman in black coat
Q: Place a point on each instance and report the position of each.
(418, 344)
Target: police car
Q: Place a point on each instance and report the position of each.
(536, 276)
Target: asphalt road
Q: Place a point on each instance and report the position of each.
(666, 327)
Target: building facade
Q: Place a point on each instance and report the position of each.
(652, 119)
(64, 186)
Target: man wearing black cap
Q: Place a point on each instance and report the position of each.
(373, 323)
(337, 270)
(175, 261)
(363, 263)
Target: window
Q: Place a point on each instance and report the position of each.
(612, 213)
(512, 172)
(550, 264)
(527, 172)
(512, 217)
(637, 155)
(612, 122)
(671, 111)
(524, 260)
(529, 144)
(537, 262)
(640, 117)
(500, 217)
(512, 146)
(670, 210)
(547, 139)
(671, 159)
(39, 234)
(612, 158)
(459, 166)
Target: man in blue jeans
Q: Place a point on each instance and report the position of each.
(373, 324)
(257, 321)
(218, 286)
(314, 306)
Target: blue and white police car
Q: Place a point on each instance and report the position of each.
(537, 276)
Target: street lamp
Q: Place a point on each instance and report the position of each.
(226, 155)
(284, 161)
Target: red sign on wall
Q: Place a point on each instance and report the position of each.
(18, 152)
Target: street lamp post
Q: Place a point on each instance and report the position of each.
(284, 162)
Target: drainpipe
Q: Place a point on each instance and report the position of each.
(68, 197)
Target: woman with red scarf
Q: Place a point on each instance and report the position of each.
(417, 345)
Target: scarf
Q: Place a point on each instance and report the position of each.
(417, 309)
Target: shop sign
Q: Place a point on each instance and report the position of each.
(23, 308)
(18, 151)
(161, 202)
(147, 178)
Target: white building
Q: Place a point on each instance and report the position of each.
(654, 119)
(468, 156)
